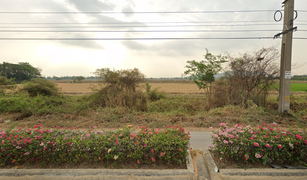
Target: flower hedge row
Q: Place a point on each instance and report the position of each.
(265, 144)
(59, 146)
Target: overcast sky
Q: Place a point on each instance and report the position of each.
(155, 58)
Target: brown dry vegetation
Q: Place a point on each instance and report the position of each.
(171, 88)
(186, 104)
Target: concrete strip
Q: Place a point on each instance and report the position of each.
(211, 167)
(101, 174)
(202, 170)
(264, 172)
(252, 174)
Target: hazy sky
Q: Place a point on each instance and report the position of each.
(155, 58)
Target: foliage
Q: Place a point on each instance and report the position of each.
(203, 72)
(57, 146)
(19, 72)
(80, 78)
(266, 145)
(120, 89)
(40, 87)
(155, 94)
(250, 76)
(6, 84)
(28, 106)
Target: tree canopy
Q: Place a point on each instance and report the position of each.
(23, 71)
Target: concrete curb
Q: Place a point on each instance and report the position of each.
(211, 167)
(219, 174)
(103, 174)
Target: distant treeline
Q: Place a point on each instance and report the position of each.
(299, 77)
(68, 77)
(94, 77)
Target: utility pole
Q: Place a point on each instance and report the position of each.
(286, 53)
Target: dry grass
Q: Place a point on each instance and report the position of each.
(170, 88)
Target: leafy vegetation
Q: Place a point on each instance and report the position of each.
(106, 148)
(265, 144)
(22, 71)
(41, 87)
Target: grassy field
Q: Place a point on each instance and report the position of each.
(295, 86)
(185, 105)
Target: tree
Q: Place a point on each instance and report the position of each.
(203, 72)
(80, 78)
(20, 72)
(251, 75)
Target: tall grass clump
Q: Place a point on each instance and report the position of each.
(154, 94)
(121, 89)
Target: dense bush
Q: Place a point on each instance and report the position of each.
(40, 87)
(121, 89)
(28, 106)
(266, 145)
(57, 146)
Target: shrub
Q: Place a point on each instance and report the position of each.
(56, 146)
(40, 87)
(120, 89)
(6, 84)
(155, 94)
(264, 145)
(28, 106)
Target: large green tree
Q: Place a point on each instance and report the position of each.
(23, 71)
(202, 72)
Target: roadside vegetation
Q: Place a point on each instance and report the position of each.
(246, 94)
(58, 147)
(263, 145)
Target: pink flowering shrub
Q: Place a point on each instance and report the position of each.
(264, 144)
(58, 146)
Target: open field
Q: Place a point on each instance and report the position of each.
(170, 88)
(296, 86)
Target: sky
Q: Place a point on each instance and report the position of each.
(154, 58)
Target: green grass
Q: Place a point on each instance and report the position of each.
(295, 87)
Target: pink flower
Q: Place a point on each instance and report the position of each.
(267, 145)
(88, 135)
(306, 142)
(257, 155)
(162, 154)
(225, 142)
(261, 128)
(36, 126)
(180, 149)
(153, 159)
(279, 146)
(252, 138)
(116, 142)
(298, 136)
(45, 148)
(138, 162)
(256, 144)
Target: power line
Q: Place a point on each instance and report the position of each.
(211, 31)
(170, 22)
(139, 26)
(131, 12)
(127, 39)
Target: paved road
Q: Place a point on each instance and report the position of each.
(200, 140)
